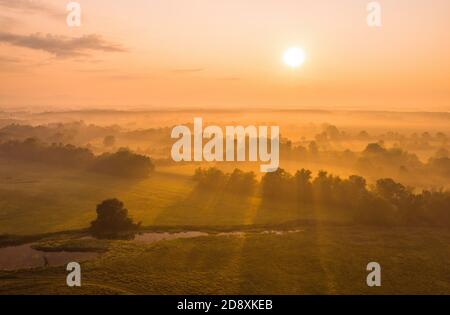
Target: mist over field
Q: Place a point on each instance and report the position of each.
(349, 182)
(224, 147)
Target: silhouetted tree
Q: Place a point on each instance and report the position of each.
(112, 219)
(374, 148)
(211, 178)
(304, 186)
(278, 185)
(33, 150)
(241, 182)
(123, 163)
(387, 202)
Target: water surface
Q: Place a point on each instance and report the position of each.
(25, 257)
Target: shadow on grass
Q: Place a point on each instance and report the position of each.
(207, 208)
(282, 264)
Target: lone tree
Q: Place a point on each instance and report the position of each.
(112, 220)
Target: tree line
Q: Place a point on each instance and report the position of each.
(243, 183)
(123, 163)
(384, 202)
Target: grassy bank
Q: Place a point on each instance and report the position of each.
(320, 259)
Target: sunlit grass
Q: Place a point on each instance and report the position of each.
(325, 261)
(40, 199)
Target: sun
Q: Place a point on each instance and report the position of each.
(294, 57)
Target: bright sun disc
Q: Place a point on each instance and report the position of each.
(294, 57)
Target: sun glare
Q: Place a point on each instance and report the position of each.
(294, 57)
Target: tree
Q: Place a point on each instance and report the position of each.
(441, 153)
(112, 219)
(278, 185)
(243, 183)
(313, 148)
(304, 186)
(211, 178)
(392, 191)
(322, 186)
(124, 163)
(374, 148)
(33, 150)
(109, 141)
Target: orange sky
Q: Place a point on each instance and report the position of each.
(210, 54)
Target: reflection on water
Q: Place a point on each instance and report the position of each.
(275, 232)
(23, 257)
(281, 232)
(238, 233)
(151, 237)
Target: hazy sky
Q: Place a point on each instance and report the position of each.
(225, 53)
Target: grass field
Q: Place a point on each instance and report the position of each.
(42, 199)
(328, 256)
(323, 260)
